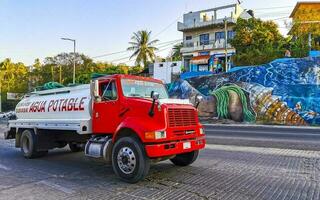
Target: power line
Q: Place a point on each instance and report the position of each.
(280, 18)
(119, 52)
(167, 27)
(169, 44)
(271, 8)
(109, 54)
(272, 14)
(157, 51)
(171, 41)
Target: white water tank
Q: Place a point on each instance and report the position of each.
(67, 108)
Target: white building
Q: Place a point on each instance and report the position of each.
(204, 36)
(164, 70)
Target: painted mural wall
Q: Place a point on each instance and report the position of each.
(283, 92)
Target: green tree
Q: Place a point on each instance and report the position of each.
(176, 52)
(257, 42)
(14, 77)
(142, 47)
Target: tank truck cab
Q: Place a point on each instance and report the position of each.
(126, 120)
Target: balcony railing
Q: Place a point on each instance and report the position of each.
(204, 45)
(201, 24)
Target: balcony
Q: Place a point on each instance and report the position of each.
(189, 47)
(204, 24)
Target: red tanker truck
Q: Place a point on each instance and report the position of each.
(128, 121)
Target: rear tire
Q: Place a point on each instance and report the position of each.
(28, 143)
(185, 159)
(129, 160)
(74, 147)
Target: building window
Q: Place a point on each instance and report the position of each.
(174, 64)
(219, 36)
(160, 65)
(189, 37)
(203, 68)
(204, 53)
(204, 39)
(231, 35)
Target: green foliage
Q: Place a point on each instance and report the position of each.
(176, 54)
(142, 47)
(299, 46)
(17, 78)
(258, 42)
(14, 77)
(135, 70)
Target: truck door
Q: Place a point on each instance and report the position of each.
(106, 110)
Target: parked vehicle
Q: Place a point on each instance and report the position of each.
(8, 115)
(126, 120)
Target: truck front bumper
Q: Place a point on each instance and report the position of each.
(173, 148)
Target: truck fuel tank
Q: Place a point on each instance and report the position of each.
(99, 147)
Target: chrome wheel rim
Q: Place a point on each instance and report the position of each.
(126, 160)
(26, 145)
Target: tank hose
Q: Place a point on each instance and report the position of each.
(50, 85)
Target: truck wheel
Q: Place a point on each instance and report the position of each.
(185, 159)
(28, 143)
(129, 160)
(74, 147)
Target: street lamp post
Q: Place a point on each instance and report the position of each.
(74, 57)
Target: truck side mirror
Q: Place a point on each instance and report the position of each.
(155, 96)
(198, 99)
(96, 89)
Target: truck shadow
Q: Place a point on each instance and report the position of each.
(75, 167)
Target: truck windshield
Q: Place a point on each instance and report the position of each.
(138, 88)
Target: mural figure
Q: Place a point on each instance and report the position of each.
(283, 92)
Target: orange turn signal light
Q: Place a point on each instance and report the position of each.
(149, 135)
(155, 135)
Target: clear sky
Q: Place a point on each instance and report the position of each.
(32, 29)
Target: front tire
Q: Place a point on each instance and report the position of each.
(129, 160)
(28, 142)
(185, 159)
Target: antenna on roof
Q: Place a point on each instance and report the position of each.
(239, 2)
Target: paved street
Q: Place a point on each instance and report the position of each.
(304, 138)
(221, 172)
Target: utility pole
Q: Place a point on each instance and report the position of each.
(52, 74)
(60, 74)
(74, 58)
(225, 42)
(0, 98)
(1, 78)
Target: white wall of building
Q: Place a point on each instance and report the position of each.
(164, 70)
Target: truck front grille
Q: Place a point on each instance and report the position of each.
(179, 117)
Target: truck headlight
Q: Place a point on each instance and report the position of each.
(155, 135)
(201, 131)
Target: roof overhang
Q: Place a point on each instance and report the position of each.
(299, 3)
(200, 60)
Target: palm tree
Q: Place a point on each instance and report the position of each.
(176, 54)
(142, 47)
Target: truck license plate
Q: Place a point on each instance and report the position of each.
(186, 145)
